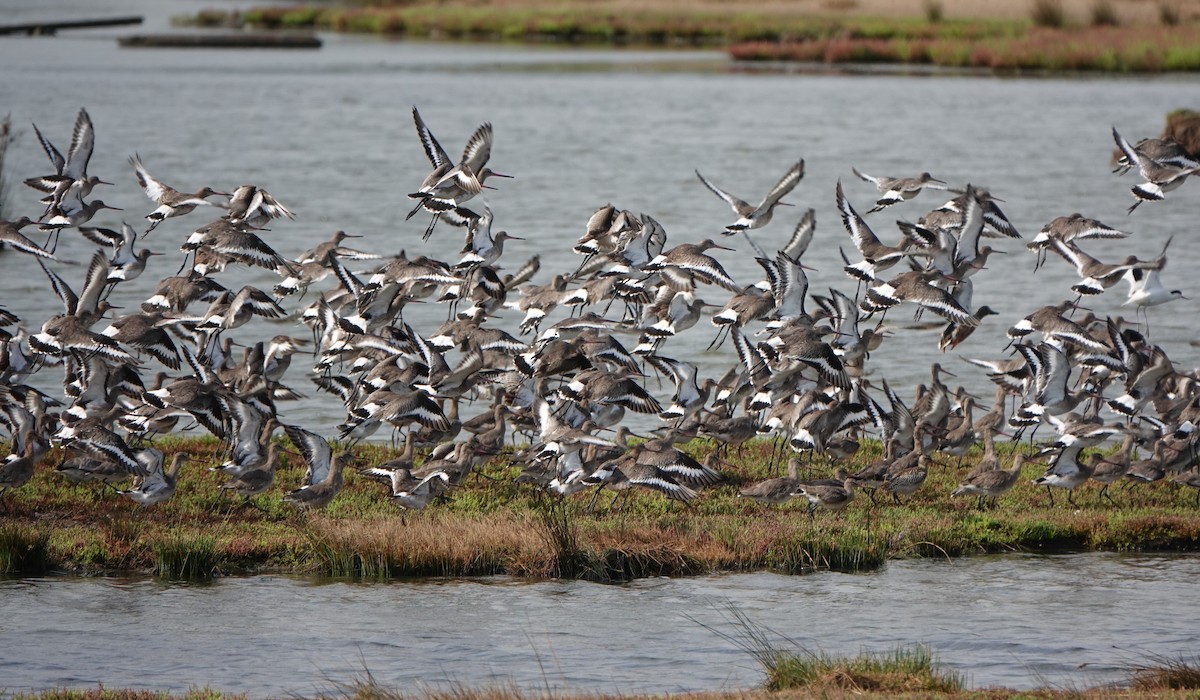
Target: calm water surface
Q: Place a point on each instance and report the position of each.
(1013, 620)
(329, 132)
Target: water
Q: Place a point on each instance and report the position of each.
(1020, 621)
(329, 132)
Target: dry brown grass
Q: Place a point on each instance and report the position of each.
(436, 544)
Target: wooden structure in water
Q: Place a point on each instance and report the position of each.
(52, 27)
(229, 40)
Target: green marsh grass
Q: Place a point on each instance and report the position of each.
(24, 549)
(183, 556)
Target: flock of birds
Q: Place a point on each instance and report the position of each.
(803, 374)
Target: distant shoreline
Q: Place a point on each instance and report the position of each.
(1102, 36)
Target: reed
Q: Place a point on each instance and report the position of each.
(185, 557)
(24, 549)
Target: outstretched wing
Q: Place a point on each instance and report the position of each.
(433, 150)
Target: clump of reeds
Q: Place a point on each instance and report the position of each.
(181, 557)
(559, 529)
(847, 551)
(24, 549)
(904, 670)
(1104, 14)
(934, 11)
(1159, 673)
(340, 557)
(1168, 12)
(1048, 13)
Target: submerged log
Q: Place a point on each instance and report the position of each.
(237, 40)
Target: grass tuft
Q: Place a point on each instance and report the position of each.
(1104, 14)
(185, 557)
(1048, 13)
(24, 549)
(904, 670)
(934, 11)
(1161, 673)
(561, 532)
(1168, 12)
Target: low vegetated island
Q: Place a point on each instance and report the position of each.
(1117, 36)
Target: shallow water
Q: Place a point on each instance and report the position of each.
(329, 132)
(1020, 621)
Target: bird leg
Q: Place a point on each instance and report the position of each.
(757, 251)
(595, 498)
